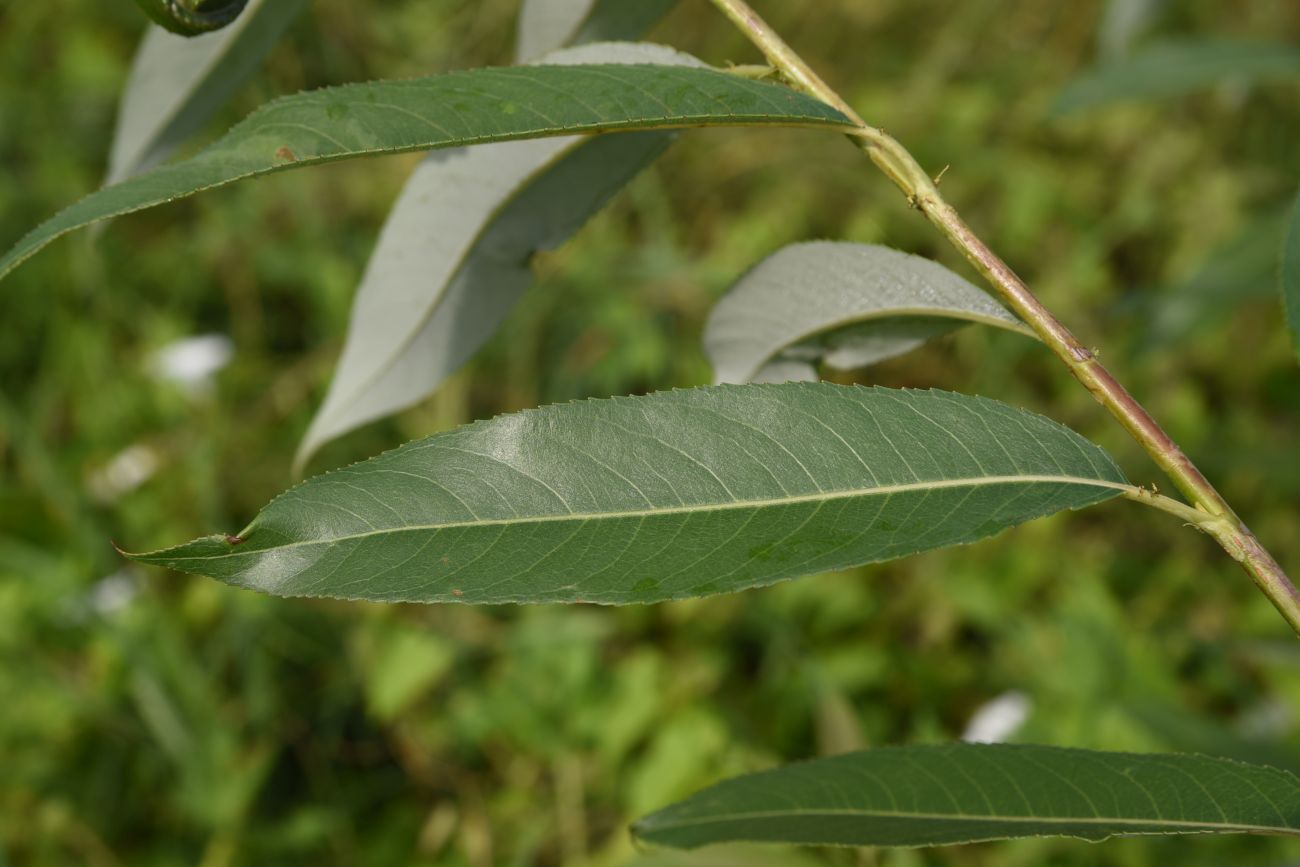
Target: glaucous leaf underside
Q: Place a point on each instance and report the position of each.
(843, 304)
(176, 83)
(545, 25)
(455, 252)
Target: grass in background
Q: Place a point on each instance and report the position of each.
(154, 719)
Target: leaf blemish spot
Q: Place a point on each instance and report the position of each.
(283, 153)
(234, 540)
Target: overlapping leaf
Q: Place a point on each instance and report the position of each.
(936, 795)
(847, 305)
(457, 108)
(1174, 68)
(670, 495)
(176, 83)
(454, 253)
(546, 25)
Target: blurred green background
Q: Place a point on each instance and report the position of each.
(155, 719)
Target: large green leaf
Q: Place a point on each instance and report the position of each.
(962, 793)
(670, 495)
(1289, 274)
(847, 305)
(176, 83)
(455, 251)
(456, 108)
(545, 25)
(1174, 68)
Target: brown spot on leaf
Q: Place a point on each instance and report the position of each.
(458, 593)
(283, 153)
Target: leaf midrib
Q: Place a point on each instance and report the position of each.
(964, 817)
(819, 497)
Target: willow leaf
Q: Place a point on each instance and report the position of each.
(1289, 275)
(176, 83)
(962, 793)
(847, 305)
(1174, 68)
(665, 496)
(456, 108)
(454, 253)
(546, 25)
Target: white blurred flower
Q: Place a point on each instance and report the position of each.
(112, 593)
(997, 720)
(124, 472)
(191, 362)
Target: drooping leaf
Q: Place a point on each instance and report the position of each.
(456, 108)
(176, 83)
(1289, 275)
(962, 793)
(454, 254)
(546, 25)
(666, 496)
(1242, 270)
(847, 305)
(1174, 68)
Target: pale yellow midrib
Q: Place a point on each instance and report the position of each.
(820, 496)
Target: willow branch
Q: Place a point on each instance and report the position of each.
(1213, 514)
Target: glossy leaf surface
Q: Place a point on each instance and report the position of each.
(962, 793)
(455, 252)
(847, 305)
(457, 108)
(176, 83)
(671, 495)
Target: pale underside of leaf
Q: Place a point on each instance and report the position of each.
(177, 82)
(1174, 68)
(546, 25)
(670, 495)
(458, 108)
(1289, 275)
(963, 793)
(844, 304)
(454, 253)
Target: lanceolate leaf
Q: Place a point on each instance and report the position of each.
(936, 795)
(176, 83)
(671, 495)
(1174, 68)
(545, 25)
(1289, 275)
(848, 305)
(456, 108)
(454, 254)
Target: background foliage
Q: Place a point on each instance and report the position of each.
(155, 719)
